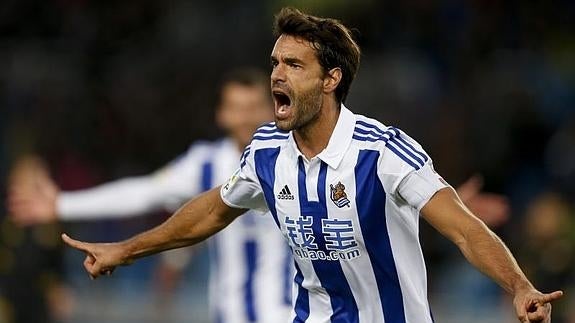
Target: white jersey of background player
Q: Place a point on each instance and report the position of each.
(256, 283)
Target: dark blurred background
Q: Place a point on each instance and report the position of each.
(103, 89)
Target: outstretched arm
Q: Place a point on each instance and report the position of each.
(123, 198)
(486, 251)
(35, 198)
(194, 222)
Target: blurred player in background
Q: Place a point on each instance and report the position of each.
(250, 278)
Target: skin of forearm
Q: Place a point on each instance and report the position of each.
(485, 250)
(482, 248)
(197, 220)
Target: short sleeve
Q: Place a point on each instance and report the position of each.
(406, 170)
(419, 186)
(243, 189)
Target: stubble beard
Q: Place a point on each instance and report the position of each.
(306, 110)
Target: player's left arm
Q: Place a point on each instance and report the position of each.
(485, 250)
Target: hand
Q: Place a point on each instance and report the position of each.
(101, 258)
(32, 194)
(533, 306)
(493, 209)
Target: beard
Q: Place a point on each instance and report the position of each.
(306, 107)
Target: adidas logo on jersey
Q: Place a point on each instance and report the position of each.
(285, 194)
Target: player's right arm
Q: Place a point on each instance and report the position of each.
(198, 219)
(195, 221)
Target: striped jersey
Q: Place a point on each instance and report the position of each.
(251, 268)
(350, 215)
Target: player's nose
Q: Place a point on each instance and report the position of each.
(278, 74)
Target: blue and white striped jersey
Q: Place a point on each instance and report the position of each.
(251, 270)
(350, 215)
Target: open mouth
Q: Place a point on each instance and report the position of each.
(281, 99)
(282, 103)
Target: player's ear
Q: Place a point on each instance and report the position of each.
(332, 79)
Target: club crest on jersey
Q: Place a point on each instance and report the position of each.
(338, 195)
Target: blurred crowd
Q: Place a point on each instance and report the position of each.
(103, 89)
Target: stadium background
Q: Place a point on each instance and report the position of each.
(104, 89)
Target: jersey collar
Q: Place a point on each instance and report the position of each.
(339, 141)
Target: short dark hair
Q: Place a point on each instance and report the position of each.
(332, 41)
(247, 76)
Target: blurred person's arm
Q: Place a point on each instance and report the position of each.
(491, 208)
(128, 197)
(123, 198)
(482, 248)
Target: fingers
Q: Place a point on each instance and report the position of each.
(27, 208)
(21, 207)
(107, 272)
(547, 298)
(94, 267)
(89, 266)
(541, 312)
(475, 183)
(470, 188)
(83, 246)
(533, 306)
(537, 308)
(522, 314)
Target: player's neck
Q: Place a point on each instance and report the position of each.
(314, 138)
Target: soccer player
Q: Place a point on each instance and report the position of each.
(345, 190)
(250, 278)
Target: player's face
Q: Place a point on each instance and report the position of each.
(242, 109)
(296, 83)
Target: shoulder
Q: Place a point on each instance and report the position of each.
(270, 131)
(266, 136)
(269, 135)
(372, 131)
(393, 143)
